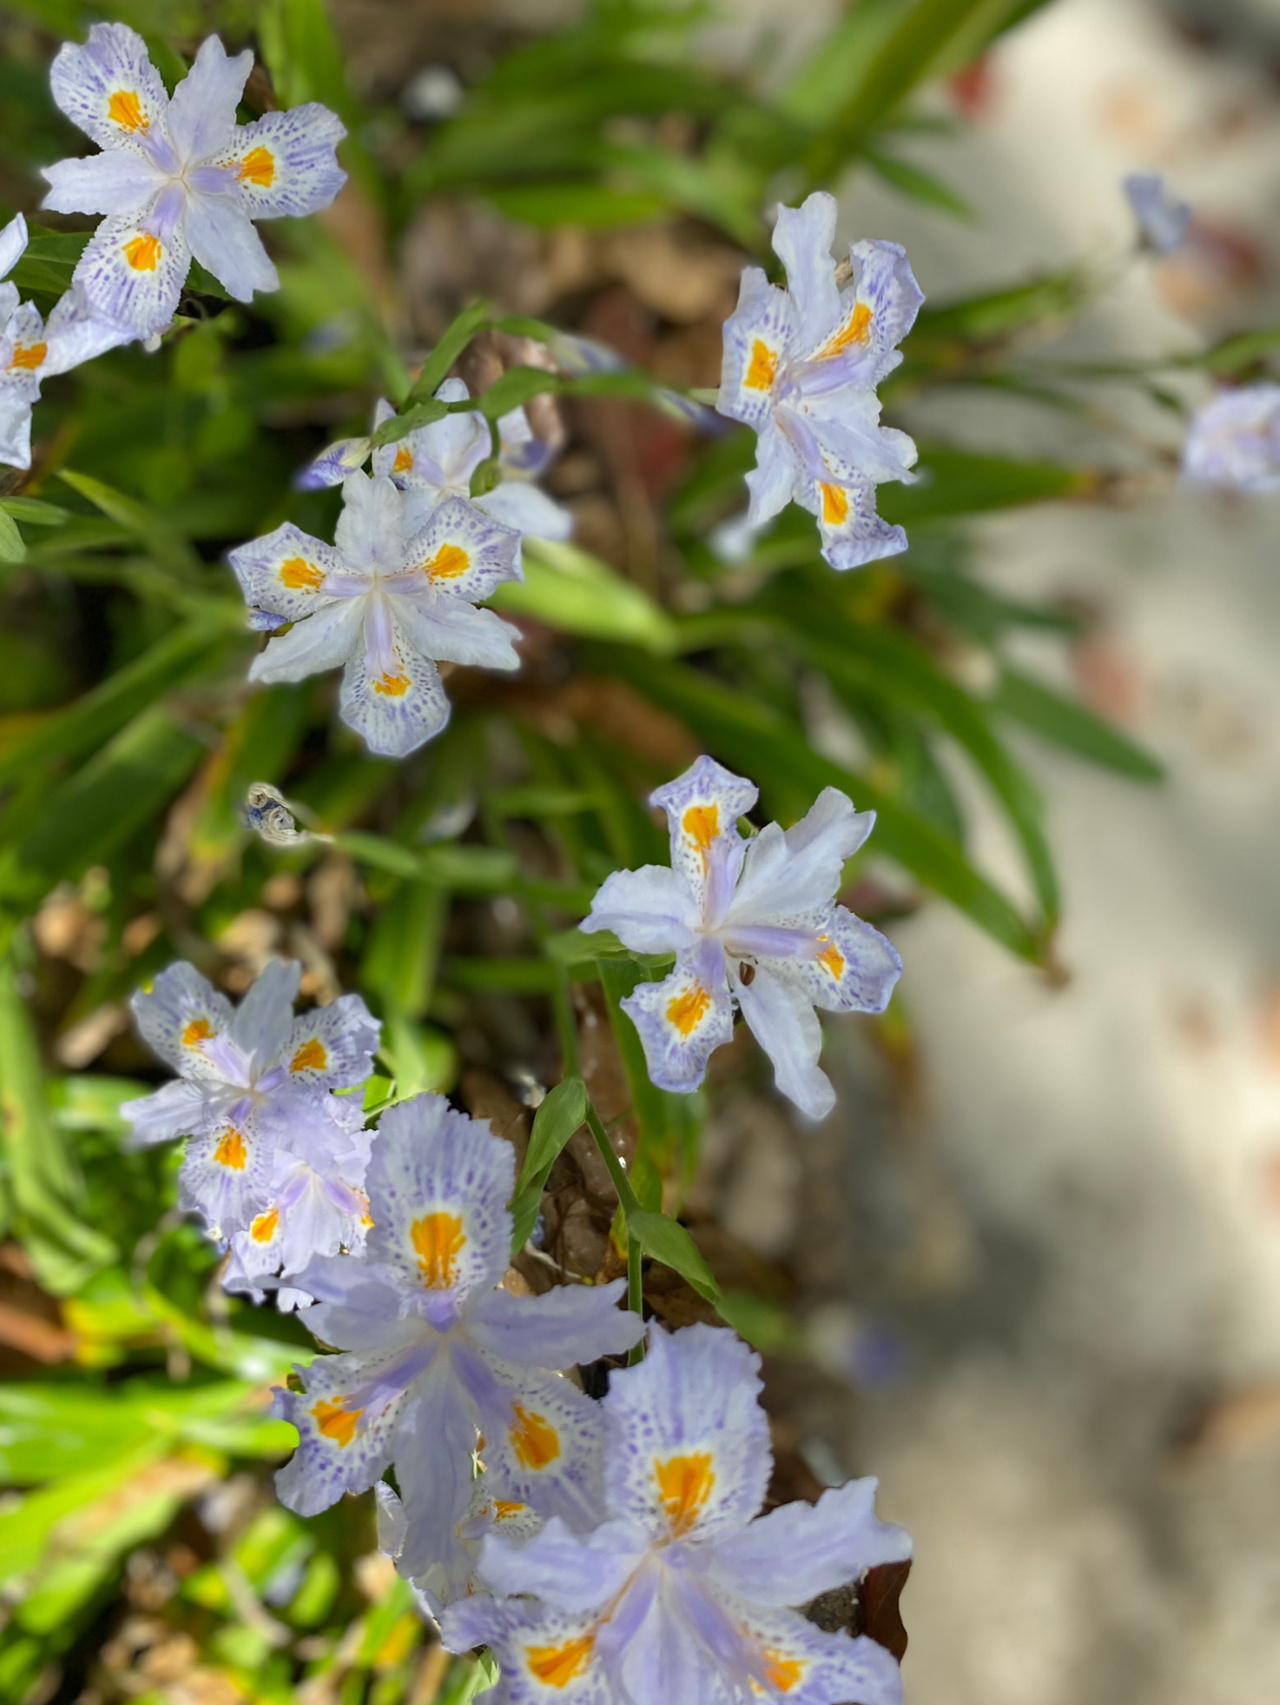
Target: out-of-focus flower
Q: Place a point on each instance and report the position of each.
(443, 1583)
(247, 1076)
(1234, 441)
(436, 1356)
(1162, 220)
(684, 1592)
(32, 350)
(387, 600)
(179, 178)
(801, 366)
(436, 462)
(751, 922)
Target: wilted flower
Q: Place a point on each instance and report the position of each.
(1162, 219)
(246, 1076)
(1234, 441)
(31, 350)
(179, 178)
(680, 1594)
(387, 600)
(751, 922)
(801, 366)
(436, 462)
(437, 1356)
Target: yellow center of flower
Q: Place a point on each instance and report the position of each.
(258, 167)
(403, 461)
(28, 356)
(835, 503)
(684, 1485)
(831, 957)
(856, 329)
(143, 252)
(299, 575)
(448, 563)
(263, 1228)
(763, 367)
(533, 1438)
(125, 109)
(310, 1056)
(199, 1030)
(783, 1672)
(231, 1151)
(438, 1240)
(557, 1666)
(392, 686)
(687, 1010)
(335, 1421)
(702, 824)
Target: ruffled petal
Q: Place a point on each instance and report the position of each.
(1234, 441)
(333, 464)
(13, 244)
(177, 1110)
(76, 333)
(284, 572)
(850, 966)
(788, 872)
(285, 162)
(519, 505)
(393, 698)
(567, 1571)
(650, 910)
(802, 239)
(438, 1187)
(807, 1666)
(702, 808)
(324, 641)
(686, 1441)
(15, 428)
(800, 1550)
(332, 1047)
(265, 1015)
(546, 1656)
(202, 113)
(777, 477)
(119, 181)
(370, 530)
(757, 336)
(226, 1176)
(852, 532)
(179, 1016)
(109, 87)
(462, 553)
(853, 448)
(131, 276)
(342, 1447)
(571, 1323)
(434, 1448)
(450, 630)
(874, 314)
(781, 1018)
(683, 1019)
(223, 240)
(543, 1445)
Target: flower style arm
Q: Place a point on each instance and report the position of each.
(571, 1323)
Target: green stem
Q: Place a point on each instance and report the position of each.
(635, 1296)
(627, 1197)
(567, 1027)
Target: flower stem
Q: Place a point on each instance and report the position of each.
(629, 1202)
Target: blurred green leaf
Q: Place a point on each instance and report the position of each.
(1068, 723)
(666, 1240)
(569, 589)
(12, 547)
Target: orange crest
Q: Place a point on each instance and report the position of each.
(143, 252)
(533, 1438)
(684, 1485)
(310, 1057)
(438, 1240)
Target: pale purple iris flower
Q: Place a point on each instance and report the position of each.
(436, 1356)
(179, 178)
(801, 366)
(1161, 218)
(393, 595)
(32, 350)
(752, 923)
(1234, 441)
(684, 1591)
(247, 1077)
(436, 462)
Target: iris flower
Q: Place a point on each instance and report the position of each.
(1161, 218)
(387, 599)
(801, 366)
(246, 1075)
(683, 1592)
(436, 462)
(179, 178)
(32, 350)
(752, 923)
(1234, 441)
(435, 1356)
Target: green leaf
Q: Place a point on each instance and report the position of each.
(35, 511)
(997, 313)
(12, 546)
(954, 482)
(49, 261)
(562, 1112)
(1070, 724)
(573, 201)
(164, 544)
(569, 589)
(666, 1240)
(920, 185)
(456, 337)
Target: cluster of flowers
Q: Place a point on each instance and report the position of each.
(606, 1551)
